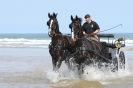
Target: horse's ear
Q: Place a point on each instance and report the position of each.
(71, 17)
(49, 15)
(54, 15)
(80, 19)
(76, 17)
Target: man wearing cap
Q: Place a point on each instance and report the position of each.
(90, 27)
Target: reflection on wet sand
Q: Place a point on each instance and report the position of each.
(32, 69)
(77, 84)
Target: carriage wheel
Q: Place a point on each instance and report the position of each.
(121, 60)
(115, 65)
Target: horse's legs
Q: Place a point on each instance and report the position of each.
(68, 64)
(58, 63)
(54, 64)
(54, 60)
(68, 61)
(80, 68)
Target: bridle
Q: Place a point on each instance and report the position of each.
(75, 29)
(53, 27)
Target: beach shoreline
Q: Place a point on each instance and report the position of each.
(33, 66)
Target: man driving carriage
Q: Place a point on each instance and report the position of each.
(90, 28)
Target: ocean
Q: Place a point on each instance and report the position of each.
(42, 40)
(25, 62)
(24, 40)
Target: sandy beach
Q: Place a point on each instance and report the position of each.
(32, 68)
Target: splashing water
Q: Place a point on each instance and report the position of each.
(90, 74)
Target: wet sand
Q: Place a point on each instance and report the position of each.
(32, 68)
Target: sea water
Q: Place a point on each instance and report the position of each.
(25, 62)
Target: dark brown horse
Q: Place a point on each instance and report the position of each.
(60, 46)
(87, 50)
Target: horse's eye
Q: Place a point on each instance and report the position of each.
(48, 23)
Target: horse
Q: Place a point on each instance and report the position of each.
(60, 44)
(87, 50)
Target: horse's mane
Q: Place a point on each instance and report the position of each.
(58, 31)
(80, 19)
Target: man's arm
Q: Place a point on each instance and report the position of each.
(97, 29)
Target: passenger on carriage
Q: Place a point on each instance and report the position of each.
(90, 28)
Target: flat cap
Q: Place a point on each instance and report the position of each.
(87, 16)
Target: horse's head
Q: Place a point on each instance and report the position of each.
(75, 26)
(52, 24)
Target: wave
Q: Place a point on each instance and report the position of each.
(129, 42)
(22, 42)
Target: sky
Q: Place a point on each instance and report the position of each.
(30, 16)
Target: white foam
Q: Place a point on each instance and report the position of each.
(21, 42)
(95, 74)
(90, 73)
(53, 76)
(62, 74)
(129, 42)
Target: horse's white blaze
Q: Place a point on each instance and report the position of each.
(50, 27)
(72, 34)
(51, 23)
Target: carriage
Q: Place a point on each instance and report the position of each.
(79, 50)
(111, 55)
(112, 49)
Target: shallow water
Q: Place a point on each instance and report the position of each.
(32, 68)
